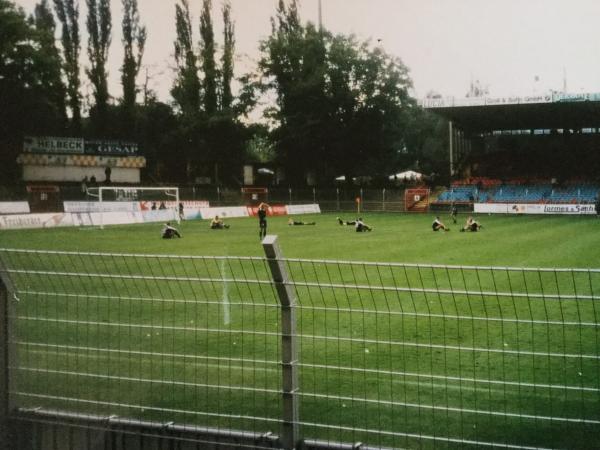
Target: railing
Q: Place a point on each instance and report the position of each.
(282, 352)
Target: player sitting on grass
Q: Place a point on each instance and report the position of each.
(361, 226)
(344, 222)
(437, 225)
(292, 222)
(218, 224)
(471, 225)
(169, 232)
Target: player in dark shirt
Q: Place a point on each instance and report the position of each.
(169, 232)
(438, 225)
(454, 212)
(361, 226)
(262, 220)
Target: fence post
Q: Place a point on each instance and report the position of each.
(383, 196)
(290, 435)
(4, 364)
(337, 198)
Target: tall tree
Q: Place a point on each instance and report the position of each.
(50, 57)
(99, 26)
(134, 40)
(227, 59)
(186, 89)
(28, 104)
(207, 54)
(67, 12)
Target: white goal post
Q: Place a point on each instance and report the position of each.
(128, 193)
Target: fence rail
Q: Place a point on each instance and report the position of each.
(275, 352)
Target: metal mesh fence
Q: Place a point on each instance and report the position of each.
(158, 339)
(423, 356)
(389, 355)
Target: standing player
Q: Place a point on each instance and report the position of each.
(262, 220)
(437, 225)
(454, 212)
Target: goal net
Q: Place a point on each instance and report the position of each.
(416, 200)
(130, 199)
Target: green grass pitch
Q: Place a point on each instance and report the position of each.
(425, 363)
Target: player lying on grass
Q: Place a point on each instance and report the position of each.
(344, 222)
(471, 225)
(361, 226)
(292, 222)
(169, 232)
(218, 224)
(438, 225)
(358, 224)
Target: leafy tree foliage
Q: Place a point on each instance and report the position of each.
(207, 54)
(50, 60)
(342, 106)
(67, 12)
(99, 26)
(134, 41)
(29, 87)
(227, 58)
(186, 90)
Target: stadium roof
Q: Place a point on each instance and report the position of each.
(556, 110)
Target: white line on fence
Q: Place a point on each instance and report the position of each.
(393, 373)
(152, 381)
(310, 336)
(59, 348)
(437, 266)
(252, 302)
(448, 347)
(449, 408)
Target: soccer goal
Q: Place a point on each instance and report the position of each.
(112, 198)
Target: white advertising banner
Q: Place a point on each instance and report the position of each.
(19, 221)
(303, 209)
(161, 215)
(106, 206)
(226, 211)
(525, 208)
(14, 208)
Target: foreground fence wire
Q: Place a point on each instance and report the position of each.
(291, 352)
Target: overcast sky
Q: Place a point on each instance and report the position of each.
(506, 44)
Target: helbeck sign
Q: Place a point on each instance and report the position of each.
(74, 146)
(53, 145)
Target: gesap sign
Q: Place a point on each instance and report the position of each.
(53, 145)
(111, 148)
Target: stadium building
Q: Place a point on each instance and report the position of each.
(508, 153)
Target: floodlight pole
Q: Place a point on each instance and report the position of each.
(290, 433)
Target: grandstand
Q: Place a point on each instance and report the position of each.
(527, 150)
